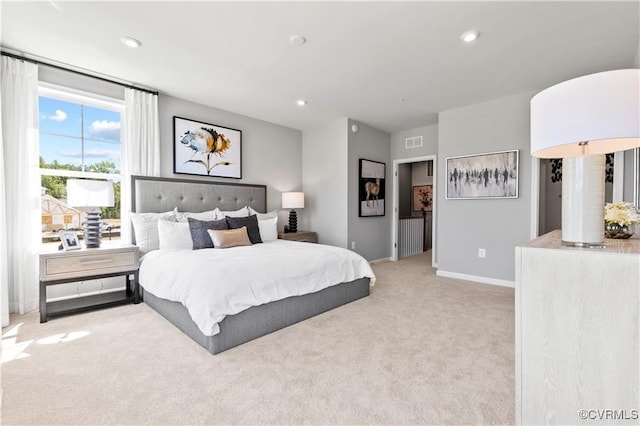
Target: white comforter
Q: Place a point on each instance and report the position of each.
(214, 283)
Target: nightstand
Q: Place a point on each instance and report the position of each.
(303, 236)
(88, 264)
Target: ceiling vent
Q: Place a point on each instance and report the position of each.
(414, 142)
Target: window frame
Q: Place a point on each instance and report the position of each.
(68, 94)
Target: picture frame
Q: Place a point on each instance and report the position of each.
(204, 149)
(482, 176)
(422, 198)
(371, 191)
(69, 240)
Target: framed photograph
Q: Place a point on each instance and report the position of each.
(491, 175)
(371, 192)
(423, 198)
(205, 149)
(69, 240)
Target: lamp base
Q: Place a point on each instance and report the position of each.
(293, 221)
(582, 245)
(92, 230)
(583, 201)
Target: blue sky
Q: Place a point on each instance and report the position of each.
(101, 131)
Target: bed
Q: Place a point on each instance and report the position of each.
(156, 195)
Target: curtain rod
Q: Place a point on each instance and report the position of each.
(37, 62)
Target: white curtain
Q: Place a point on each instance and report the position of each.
(141, 145)
(20, 219)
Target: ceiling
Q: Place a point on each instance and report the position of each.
(392, 65)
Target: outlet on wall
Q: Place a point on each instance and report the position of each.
(482, 253)
(353, 245)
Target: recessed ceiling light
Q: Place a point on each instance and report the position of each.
(301, 102)
(131, 42)
(469, 36)
(297, 40)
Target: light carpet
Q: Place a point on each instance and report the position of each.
(420, 349)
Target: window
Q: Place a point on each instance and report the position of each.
(79, 138)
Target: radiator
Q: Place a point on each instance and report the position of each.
(411, 237)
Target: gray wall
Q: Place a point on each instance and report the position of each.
(429, 142)
(498, 225)
(270, 153)
(324, 179)
(404, 189)
(419, 177)
(372, 235)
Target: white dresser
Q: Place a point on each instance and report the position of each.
(577, 332)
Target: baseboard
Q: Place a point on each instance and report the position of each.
(384, 259)
(476, 278)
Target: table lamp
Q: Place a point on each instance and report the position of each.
(581, 120)
(293, 200)
(90, 194)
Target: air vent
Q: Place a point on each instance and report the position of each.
(413, 142)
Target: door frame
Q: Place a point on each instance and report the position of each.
(396, 200)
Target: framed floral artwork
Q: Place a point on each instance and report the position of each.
(423, 198)
(204, 149)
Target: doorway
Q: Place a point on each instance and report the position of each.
(408, 202)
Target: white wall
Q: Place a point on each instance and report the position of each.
(497, 225)
(370, 234)
(429, 142)
(324, 180)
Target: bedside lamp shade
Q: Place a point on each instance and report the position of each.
(90, 194)
(293, 200)
(580, 120)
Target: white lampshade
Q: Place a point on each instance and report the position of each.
(602, 109)
(89, 193)
(293, 200)
(580, 120)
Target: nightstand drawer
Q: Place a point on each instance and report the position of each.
(82, 265)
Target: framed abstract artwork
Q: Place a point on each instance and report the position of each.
(372, 190)
(491, 175)
(423, 198)
(204, 149)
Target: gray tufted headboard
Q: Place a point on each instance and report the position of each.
(154, 194)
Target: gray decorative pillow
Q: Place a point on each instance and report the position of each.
(251, 222)
(199, 234)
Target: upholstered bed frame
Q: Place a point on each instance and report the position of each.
(150, 194)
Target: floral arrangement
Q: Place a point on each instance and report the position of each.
(621, 214)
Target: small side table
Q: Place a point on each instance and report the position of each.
(88, 264)
(302, 236)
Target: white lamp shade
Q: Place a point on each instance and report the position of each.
(293, 200)
(602, 109)
(89, 193)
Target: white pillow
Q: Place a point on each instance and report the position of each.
(262, 216)
(268, 224)
(208, 215)
(268, 228)
(145, 228)
(174, 235)
(243, 212)
(253, 211)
